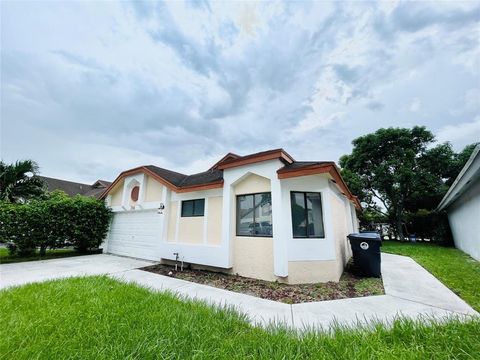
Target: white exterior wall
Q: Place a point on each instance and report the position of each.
(464, 218)
(286, 249)
(204, 253)
(147, 223)
(266, 169)
(313, 248)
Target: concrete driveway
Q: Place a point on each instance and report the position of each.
(33, 271)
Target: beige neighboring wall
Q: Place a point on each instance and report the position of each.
(214, 220)
(172, 220)
(252, 256)
(340, 231)
(303, 272)
(252, 184)
(116, 194)
(153, 190)
(307, 272)
(190, 230)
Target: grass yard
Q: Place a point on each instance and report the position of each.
(5, 258)
(451, 266)
(100, 318)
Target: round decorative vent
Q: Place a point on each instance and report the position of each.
(134, 193)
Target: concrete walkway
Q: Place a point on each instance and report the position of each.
(411, 292)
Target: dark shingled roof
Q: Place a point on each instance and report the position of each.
(182, 180)
(172, 177)
(205, 177)
(73, 188)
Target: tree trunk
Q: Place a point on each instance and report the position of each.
(399, 224)
(43, 250)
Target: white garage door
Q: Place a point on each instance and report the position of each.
(136, 234)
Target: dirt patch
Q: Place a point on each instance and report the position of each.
(349, 286)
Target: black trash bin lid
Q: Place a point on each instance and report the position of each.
(372, 236)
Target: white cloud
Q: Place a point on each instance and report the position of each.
(461, 134)
(415, 105)
(472, 99)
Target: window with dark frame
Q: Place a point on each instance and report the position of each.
(254, 215)
(307, 215)
(193, 207)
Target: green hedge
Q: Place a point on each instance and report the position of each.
(51, 222)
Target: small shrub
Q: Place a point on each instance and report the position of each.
(12, 248)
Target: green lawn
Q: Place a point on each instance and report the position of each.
(451, 266)
(5, 258)
(100, 318)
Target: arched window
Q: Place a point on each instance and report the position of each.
(134, 193)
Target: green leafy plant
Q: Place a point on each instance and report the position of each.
(54, 221)
(19, 181)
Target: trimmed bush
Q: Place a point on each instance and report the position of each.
(16, 227)
(432, 225)
(54, 221)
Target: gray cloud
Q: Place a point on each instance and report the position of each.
(415, 16)
(375, 105)
(141, 86)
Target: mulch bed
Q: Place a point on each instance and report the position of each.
(349, 286)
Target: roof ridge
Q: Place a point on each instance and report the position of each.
(313, 161)
(223, 159)
(199, 173)
(172, 171)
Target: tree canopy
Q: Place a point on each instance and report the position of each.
(398, 171)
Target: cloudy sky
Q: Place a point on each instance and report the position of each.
(89, 89)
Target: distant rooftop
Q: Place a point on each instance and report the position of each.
(72, 188)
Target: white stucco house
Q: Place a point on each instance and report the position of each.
(462, 203)
(262, 215)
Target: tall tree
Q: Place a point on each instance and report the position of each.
(19, 181)
(439, 166)
(395, 171)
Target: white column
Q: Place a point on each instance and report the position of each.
(165, 216)
(177, 224)
(328, 225)
(205, 221)
(227, 213)
(280, 231)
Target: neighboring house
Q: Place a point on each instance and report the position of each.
(72, 188)
(462, 203)
(263, 215)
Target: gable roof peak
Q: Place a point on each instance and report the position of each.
(279, 154)
(227, 157)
